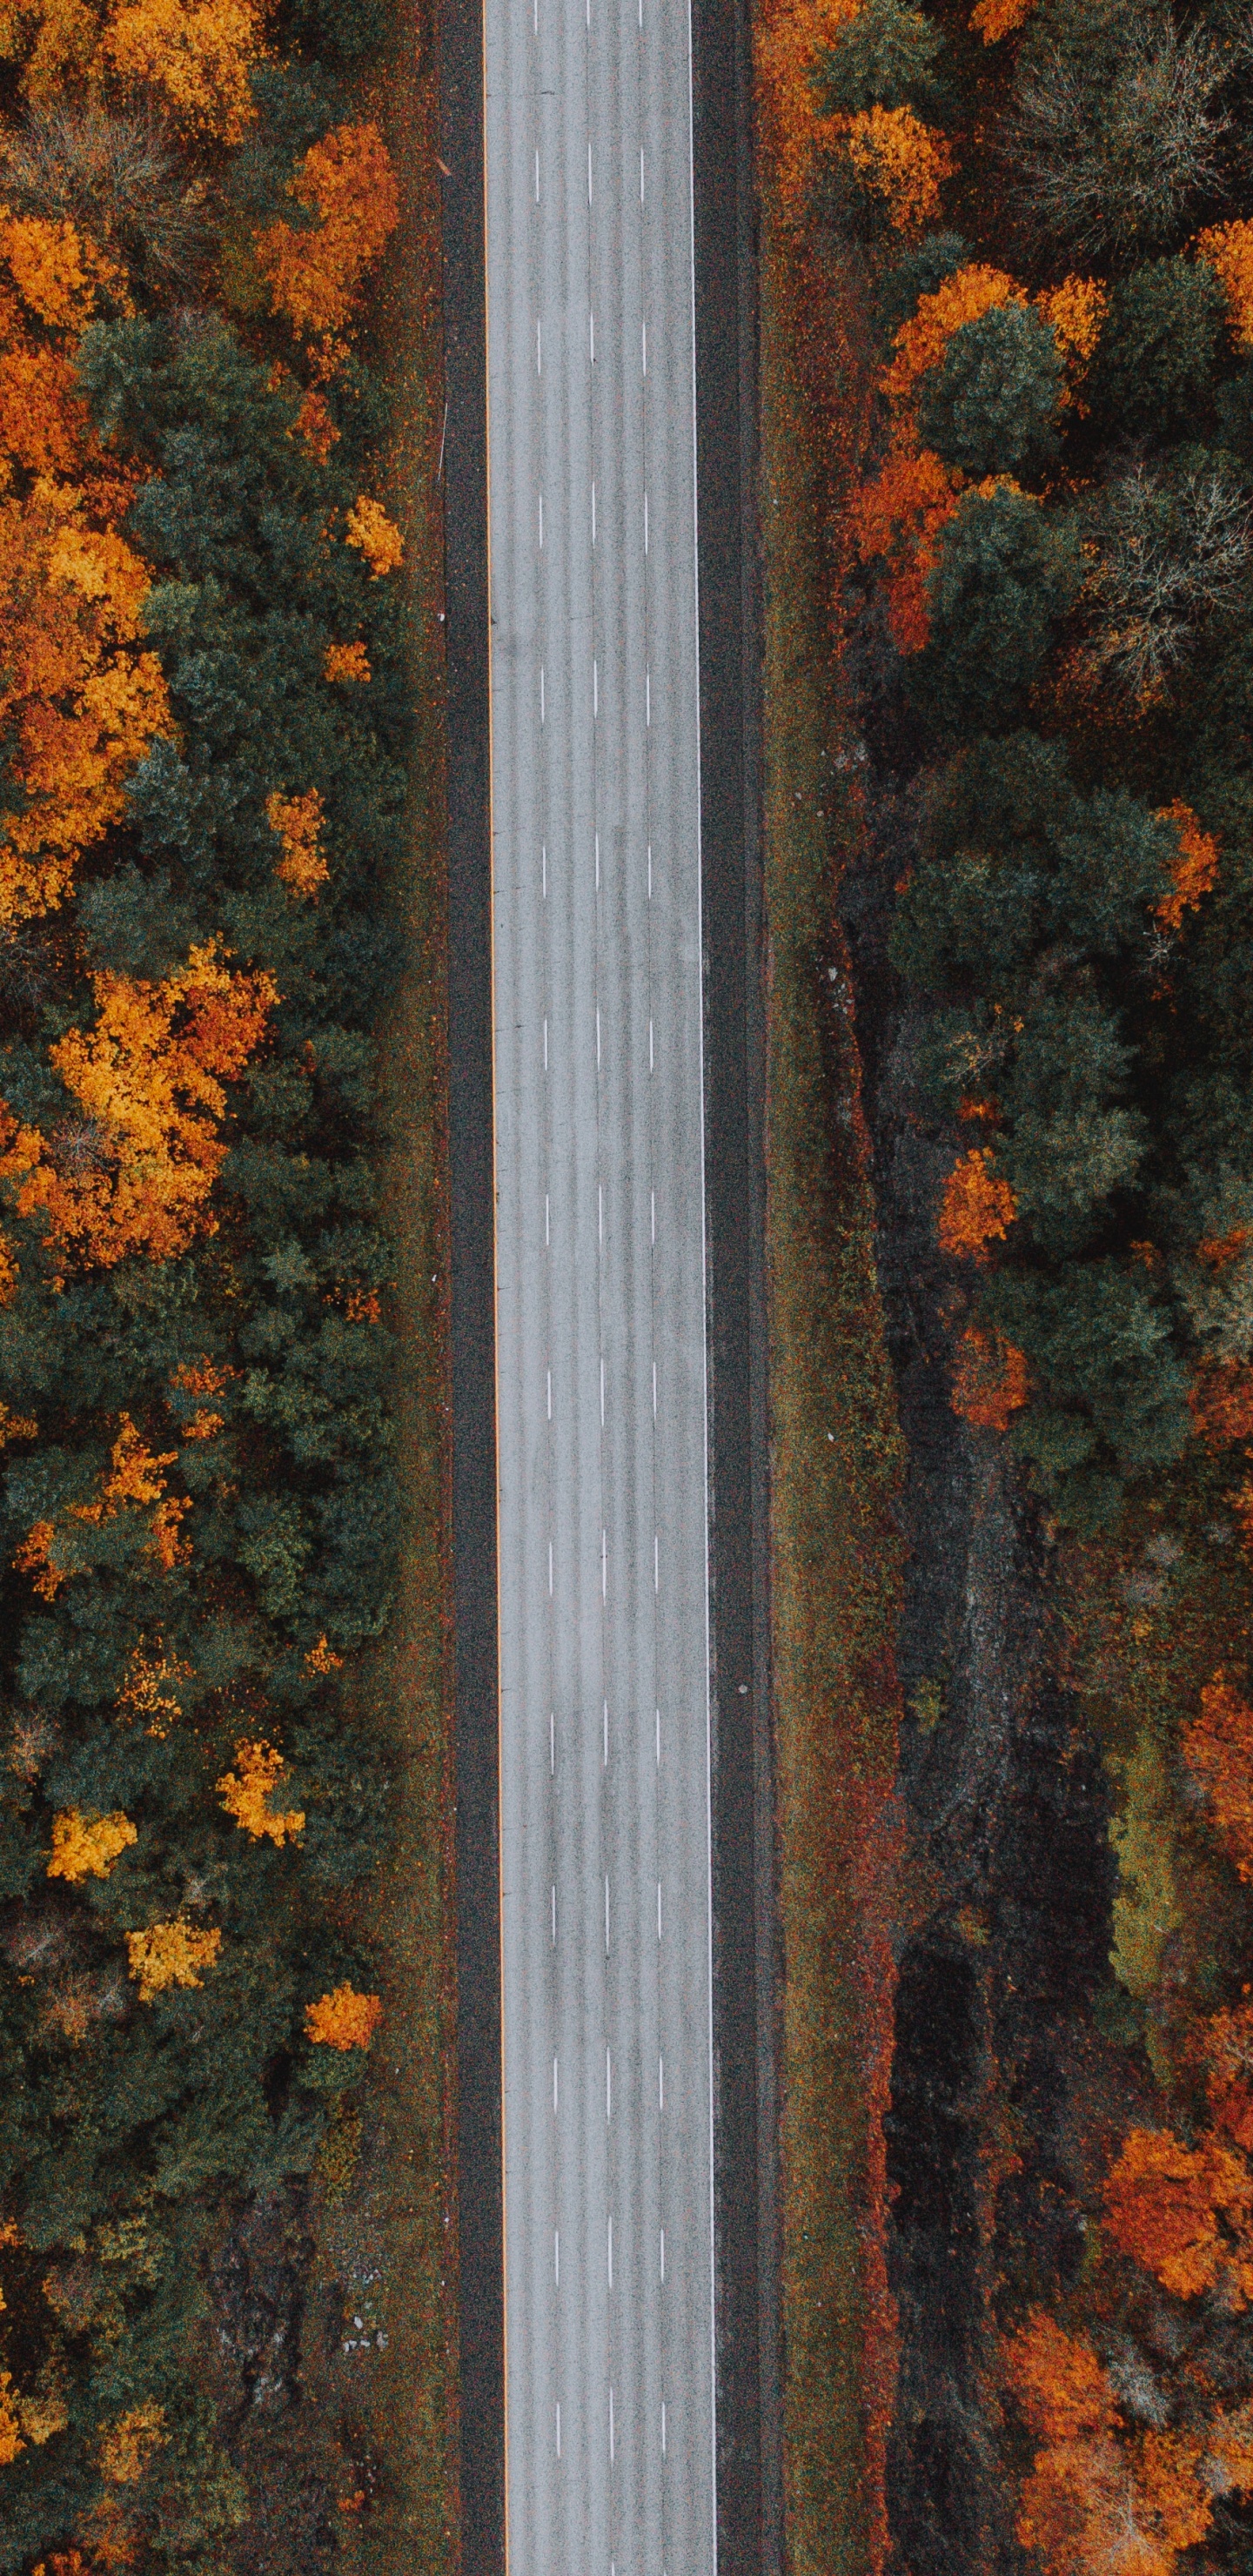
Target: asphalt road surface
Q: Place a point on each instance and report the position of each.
(601, 1364)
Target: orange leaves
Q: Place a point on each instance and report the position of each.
(1059, 2383)
(58, 271)
(900, 516)
(990, 1382)
(997, 18)
(346, 662)
(1218, 1750)
(148, 1077)
(977, 1207)
(1220, 1401)
(789, 38)
(150, 1689)
(369, 529)
(197, 53)
(296, 822)
(245, 1793)
(10, 2429)
(315, 275)
(1098, 2503)
(1163, 2203)
(922, 340)
(79, 696)
(88, 1846)
(900, 160)
(1229, 251)
(343, 2019)
(133, 1481)
(1196, 868)
(170, 1954)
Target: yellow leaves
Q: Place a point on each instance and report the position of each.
(346, 662)
(170, 1954)
(127, 2445)
(900, 160)
(976, 1208)
(246, 1791)
(1229, 251)
(16, 1426)
(149, 1078)
(343, 2019)
(315, 274)
(10, 2429)
(58, 271)
(79, 696)
(197, 53)
(149, 1692)
(323, 1659)
(370, 530)
(1196, 869)
(1075, 311)
(296, 822)
(43, 2416)
(87, 1846)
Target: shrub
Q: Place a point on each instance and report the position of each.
(991, 405)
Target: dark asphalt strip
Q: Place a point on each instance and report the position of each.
(473, 1322)
(745, 1907)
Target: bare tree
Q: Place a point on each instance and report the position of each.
(1110, 140)
(118, 180)
(1160, 559)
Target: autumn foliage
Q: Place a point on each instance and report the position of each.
(343, 2019)
(1218, 1750)
(316, 274)
(991, 1381)
(246, 1792)
(976, 1209)
(136, 1174)
(1196, 870)
(170, 1954)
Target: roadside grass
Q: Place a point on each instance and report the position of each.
(384, 2211)
(836, 1564)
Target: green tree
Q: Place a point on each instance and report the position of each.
(1006, 575)
(1158, 352)
(991, 406)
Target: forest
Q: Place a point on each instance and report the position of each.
(1019, 241)
(204, 727)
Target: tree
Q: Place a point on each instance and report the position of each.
(1163, 2205)
(316, 274)
(196, 53)
(1069, 1143)
(1218, 1750)
(80, 696)
(1165, 551)
(170, 1954)
(1157, 360)
(922, 339)
(976, 1209)
(1005, 575)
(343, 2019)
(885, 56)
(369, 529)
(246, 1792)
(1195, 872)
(1116, 122)
(1228, 250)
(991, 405)
(991, 1381)
(115, 180)
(149, 1078)
(88, 1846)
(899, 516)
(296, 822)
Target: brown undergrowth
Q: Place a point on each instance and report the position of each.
(836, 1466)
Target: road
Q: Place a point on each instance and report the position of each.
(601, 1297)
